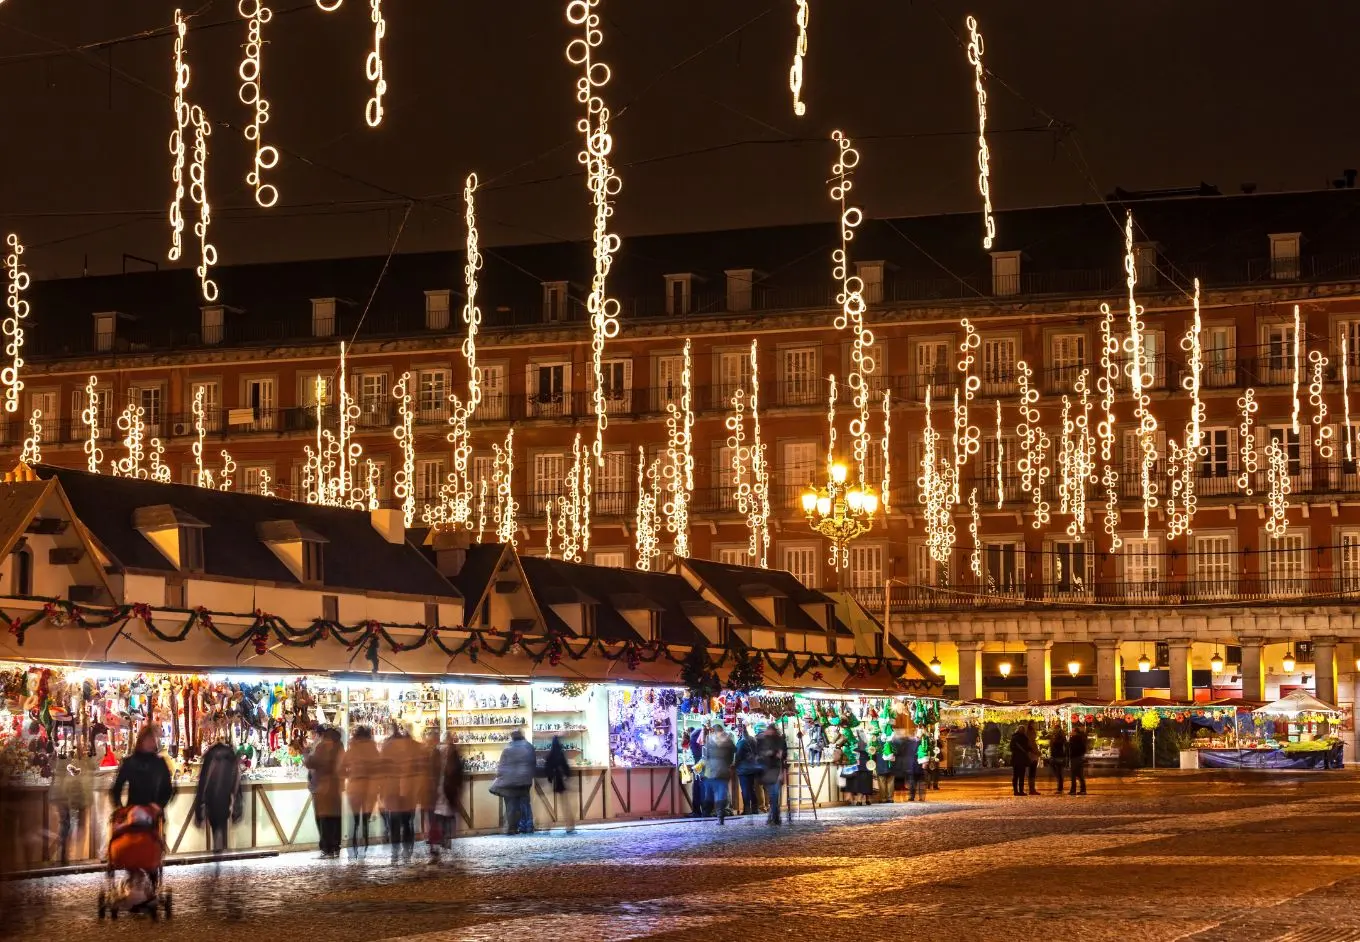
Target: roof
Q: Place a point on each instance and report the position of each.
(1300, 701)
(862, 622)
(480, 566)
(1072, 250)
(19, 503)
(362, 561)
(163, 517)
(669, 596)
(735, 585)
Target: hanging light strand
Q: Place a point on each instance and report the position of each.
(251, 93)
(851, 299)
(800, 48)
(178, 145)
(198, 192)
(16, 312)
(984, 155)
(648, 517)
(1034, 442)
(373, 66)
(507, 508)
(404, 480)
(1278, 482)
(472, 314)
(94, 455)
(1000, 460)
(132, 424)
(199, 411)
(1322, 432)
(1140, 378)
(31, 454)
(886, 487)
(678, 472)
(1297, 356)
(1346, 399)
(1246, 433)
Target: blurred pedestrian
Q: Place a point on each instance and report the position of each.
(1019, 760)
(218, 799)
(915, 769)
(558, 771)
(719, 753)
(450, 787)
(748, 769)
(433, 756)
(860, 780)
(991, 745)
(1076, 757)
(883, 756)
(773, 754)
(144, 774)
(700, 802)
(73, 797)
(1057, 754)
(401, 785)
(323, 781)
(513, 782)
(1032, 734)
(360, 771)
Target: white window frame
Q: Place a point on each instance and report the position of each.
(998, 555)
(934, 359)
(555, 402)
(1142, 567)
(1214, 561)
(1067, 358)
(431, 472)
(803, 561)
(798, 376)
(1286, 251)
(996, 364)
(1348, 561)
(432, 394)
(266, 413)
(554, 302)
(549, 469)
(1284, 563)
(868, 565)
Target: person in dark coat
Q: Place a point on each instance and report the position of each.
(1076, 757)
(1057, 754)
(860, 783)
(917, 783)
(698, 792)
(901, 767)
(1019, 760)
(719, 753)
(773, 755)
(748, 769)
(218, 799)
(323, 780)
(991, 745)
(514, 780)
(144, 774)
(558, 771)
(1034, 755)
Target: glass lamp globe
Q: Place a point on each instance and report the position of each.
(936, 667)
(871, 503)
(809, 501)
(1074, 668)
(1216, 662)
(824, 506)
(1144, 663)
(1005, 668)
(855, 499)
(839, 472)
(1288, 662)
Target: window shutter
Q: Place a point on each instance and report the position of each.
(1048, 565)
(1234, 449)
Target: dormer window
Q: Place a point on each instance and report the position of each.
(1285, 249)
(871, 274)
(213, 319)
(1145, 256)
(679, 293)
(1005, 273)
(177, 535)
(298, 547)
(323, 317)
(554, 301)
(739, 284)
(437, 310)
(105, 330)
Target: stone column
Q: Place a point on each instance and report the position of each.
(1109, 672)
(1253, 674)
(1324, 657)
(1039, 669)
(1179, 656)
(970, 669)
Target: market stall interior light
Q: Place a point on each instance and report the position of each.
(935, 666)
(1216, 662)
(1005, 668)
(1144, 663)
(1288, 662)
(1074, 668)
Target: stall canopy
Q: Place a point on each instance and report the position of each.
(1300, 701)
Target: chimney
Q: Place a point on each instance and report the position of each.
(390, 524)
(450, 550)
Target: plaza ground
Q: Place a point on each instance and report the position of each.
(1201, 857)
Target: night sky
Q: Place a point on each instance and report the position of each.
(1157, 93)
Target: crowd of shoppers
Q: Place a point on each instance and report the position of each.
(1066, 759)
(713, 756)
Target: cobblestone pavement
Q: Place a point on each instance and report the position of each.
(1195, 858)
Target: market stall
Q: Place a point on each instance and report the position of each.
(1296, 732)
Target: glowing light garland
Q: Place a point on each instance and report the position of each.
(886, 487)
(1346, 400)
(373, 66)
(1106, 384)
(32, 450)
(758, 520)
(16, 313)
(372, 484)
(160, 471)
(1277, 477)
(1322, 432)
(935, 487)
(831, 422)
(251, 73)
(348, 450)
(750, 483)
(200, 434)
(503, 475)
(571, 515)
(984, 156)
(604, 184)
(678, 469)
(1000, 461)
(1246, 432)
(133, 426)
(1034, 443)
(404, 480)
(198, 192)
(800, 48)
(648, 518)
(94, 455)
(967, 437)
(177, 144)
(266, 483)
(1140, 377)
(228, 478)
(472, 314)
(1298, 366)
(975, 557)
(851, 299)
(1077, 456)
(481, 509)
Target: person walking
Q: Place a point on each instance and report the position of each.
(860, 782)
(991, 745)
(698, 790)
(1076, 756)
(1032, 734)
(773, 754)
(514, 779)
(73, 797)
(323, 780)
(400, 788)
(748, 770)
(1019, 760)
(558, 771)
(1057, 754)
(218, 798)
(450, 787)
(918, 782)
(144, 774)
(360, 769)
(719, 753)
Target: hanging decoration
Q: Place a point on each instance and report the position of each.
(1034, 441)
(132, 424)
(94, 455)
(573, 536)
(1297, 357)
(1246, 432)
(1106, 384)
(32, 450)
(198, 192)
(758, 520)
(800, 48)
(373, 66)
(935, 487)
(1140, 378)
(178, 146)
(160, 471)
(228, 479)
(974, 521)
(647, 523)
(200, 434)
(251, 73)
(1346, 400)
(1000, 460)
(750, 481)
(1322, 432)
(16, 313)
(503, 474)
(984, 157)
(472, 314)
(850, 297)
(678, 469)
(266, 488)
(1277, 480)
(404, 480)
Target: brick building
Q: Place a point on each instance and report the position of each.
(1035, 298)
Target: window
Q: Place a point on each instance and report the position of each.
(1215, 566)
(1215, 463)
(801, 561)
(373, 398)
(1284, 564)
(253, 479)
(1348, 333)
(932, 366)
(996, 452)
(871, 274)
(548, 386)
(149, 398)
(174, 593)
(1070, 568)
(611, 488)
(1145, 263)
(617, 386)
(1219, 346)
(104, 416)
(22, 578)
(1279, 343)
(47, 405)
(191, 549)
(550, 469)
(437, 310)
(678, 294)
(1069, 358)
(866, 566)
(615, 559)
(260, 399)
(1001, 567)
(104, 326)
(998, 364)
(669, 381)
(493, 392)
(307, 391)
(212, 403)
(554, 301)
(1005, 273)
(483, 469)
(430, 474)
(432, 395)
(1142, 567)
(1293, 450)
(211, 322)
(330, 608)
(800, 376)
(739, 284)
(1284, 254)
(323, 317)
(799, 466)
(733, 555)
(734, 372)
(1350, 561)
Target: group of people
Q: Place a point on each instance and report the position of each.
(884, 768)
(758, 762)
(1066, 754)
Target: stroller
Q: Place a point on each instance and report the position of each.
(137, 848)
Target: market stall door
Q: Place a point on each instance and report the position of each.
(594, 804)
(644, 791)
(283, 816)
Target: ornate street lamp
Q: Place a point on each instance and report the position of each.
(1288, 662)
(840, 511)
(1216, 663)
(1074, 667)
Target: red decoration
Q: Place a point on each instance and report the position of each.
(818, 676)
(261, 640)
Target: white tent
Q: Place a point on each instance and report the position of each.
(1300, 701)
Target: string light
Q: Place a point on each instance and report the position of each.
(13, 326)
(373, 66)
(759, 520)
(1000, 460)
(800, 48)
(94, 455)
(851, 299)
(404, 480)
(251, 73)
(1182, 461)
(1140, 377)
(177, 144)
(548, 531)
(472, 314)
(984, 154)
(1346, 400)
(935, 487)
(1298, 365)
(967, 438)
(570, 506)
(372, 484)
(648, 518)
(200, 433)
(228, 479)
(266, 483)
(503, 474)
(32, 451)
(349, 451)
(1076, 456)
(604, 185)
(885, 489)
(831, 421)
(198, 192)
(1322, 432)
(1277, 477)
(678, 471)
(1106, 384)
(975, 558)
(481, 509)
(1034, 443)
(1246, 432)
(133, 426)
(329, 6)
(160, 471)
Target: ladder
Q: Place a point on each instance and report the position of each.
(802, 779)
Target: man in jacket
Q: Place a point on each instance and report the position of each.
(772, 754)
(914, 769)
(323, 780)
(719, 753)
(1019, 760)
(401, 788)
(217, 800)
(748, 770)
(1076, 755)
(514, 779)
(1057, 754)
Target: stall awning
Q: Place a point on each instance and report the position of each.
(1300, 701)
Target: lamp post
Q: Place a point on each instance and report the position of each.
(840, 511)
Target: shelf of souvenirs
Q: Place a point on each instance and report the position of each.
(560, 728)
(483, 721)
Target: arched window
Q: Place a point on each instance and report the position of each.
(23, 572)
